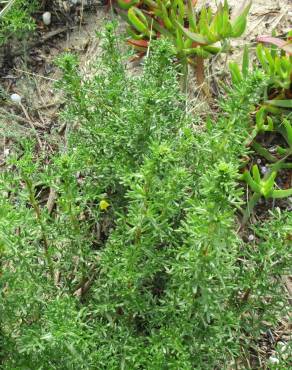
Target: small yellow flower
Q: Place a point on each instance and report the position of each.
(103, 205)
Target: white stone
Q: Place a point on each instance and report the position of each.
(15, 98)
(47, 17)
(77, 2)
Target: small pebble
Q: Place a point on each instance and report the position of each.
(251, 237)
(15, 98)
(75, 2)
(259, 161)
(47, 18)
(264, 170)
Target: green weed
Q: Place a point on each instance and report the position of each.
(272, 116)
(16, 22)
(157, 277)
(194, 36)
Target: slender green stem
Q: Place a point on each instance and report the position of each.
(38, 213)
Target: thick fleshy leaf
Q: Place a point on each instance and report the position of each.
(250, 181)
(271, 40)
(239, 9)
(282, 44)
(288, 127)
(191, 15)
(235, 73)
(126, 4)
(139, 44)
(256, 174)
(239, 24)
(138, 20)
(196, 37)
(245, 62)
(158, 26)
(278, 194)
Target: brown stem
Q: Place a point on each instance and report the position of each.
(200, 76)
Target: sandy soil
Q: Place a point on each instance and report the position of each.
(265, 16)
(34, 80)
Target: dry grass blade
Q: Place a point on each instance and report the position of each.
(51, 200)
(31, 123)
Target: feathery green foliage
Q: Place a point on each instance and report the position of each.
(160, 279)
(16, 21)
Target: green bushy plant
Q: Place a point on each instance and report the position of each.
(272, 117)
(159, 278)
(16, 20)
(195, 36)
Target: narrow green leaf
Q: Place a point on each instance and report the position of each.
(239, 25)
(260, 118)
(280, 103)
(269, 184)
(235, 73)
(263, 152)
(288, 128)
(261, 57)
(245, 61)
(278, 194)
(256, 174)
(252, 184)
(195, 37)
